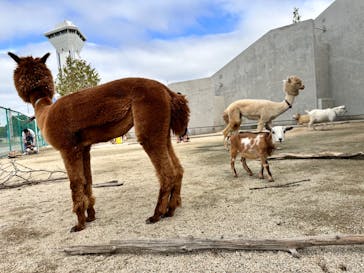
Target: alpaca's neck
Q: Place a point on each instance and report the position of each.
(289, 99)
(284, 105)
(41, 107)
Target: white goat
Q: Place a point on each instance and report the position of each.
(278, 132)
(323, 115)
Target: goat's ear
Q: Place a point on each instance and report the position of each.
(288, 128)
(45, 57)
(14, 57)
(289, 80)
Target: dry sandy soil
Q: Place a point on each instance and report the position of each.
(35, 220)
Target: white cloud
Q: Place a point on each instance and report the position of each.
(119, 45)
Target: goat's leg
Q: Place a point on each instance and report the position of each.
(245, 166)
(73, 160)
(265, 166)
(88, 186)
(175, 198)
(232, 162)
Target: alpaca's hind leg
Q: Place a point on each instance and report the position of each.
(175, 199)
(73, 160)
(234, 123)
(161, 160)
(88, 186)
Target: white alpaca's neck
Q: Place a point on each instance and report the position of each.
(289, 99)
(284, 105)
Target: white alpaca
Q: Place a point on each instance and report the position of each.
(323, 115)
(262, 110)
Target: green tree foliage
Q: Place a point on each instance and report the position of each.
(76, 75)
(296, 16)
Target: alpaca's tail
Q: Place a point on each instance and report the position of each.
(180, 113)
(225, 116)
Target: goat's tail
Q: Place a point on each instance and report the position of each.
(180, 113)
(270, 145)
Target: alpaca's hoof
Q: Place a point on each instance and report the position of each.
(270, 180)
(250, 174)
(77, 228)
(169, 213)
(152, 220)
(90, 218)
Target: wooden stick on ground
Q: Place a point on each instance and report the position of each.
(286, 185)
(322, 155)
(182, 245)
(112, 183)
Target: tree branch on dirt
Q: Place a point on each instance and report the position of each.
(112, 183)
(15, 174)
(183, 245)
(286, 185)
(322, 155)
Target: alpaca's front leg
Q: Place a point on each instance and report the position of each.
(261, 124)
(73, 160)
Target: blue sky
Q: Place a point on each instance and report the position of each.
(167, 40)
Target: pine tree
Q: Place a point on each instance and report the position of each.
(76, 75)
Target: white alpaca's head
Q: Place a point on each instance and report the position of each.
(292, 85)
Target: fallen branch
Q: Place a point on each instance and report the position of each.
(286, 185)
(112, 183)
(30, 183)
(322, 155)
(182, 245)
(14, 174)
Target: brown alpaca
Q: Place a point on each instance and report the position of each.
(75, 122)
(262, 110)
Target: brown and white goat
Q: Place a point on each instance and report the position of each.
(252, 146)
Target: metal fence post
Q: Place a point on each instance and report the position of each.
(8, 133)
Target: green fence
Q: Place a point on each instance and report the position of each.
(11, 125)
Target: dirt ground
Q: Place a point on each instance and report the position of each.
(35, 220)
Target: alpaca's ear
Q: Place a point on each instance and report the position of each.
(14, 57)
(289, 80)
(45, 57)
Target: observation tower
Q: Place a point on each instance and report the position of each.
(67, 40)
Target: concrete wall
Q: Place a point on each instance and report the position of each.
(326, 53)
(202, 103)
(259, 71)
(341, 28)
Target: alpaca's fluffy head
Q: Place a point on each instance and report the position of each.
(293, 85)
(32, 76)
